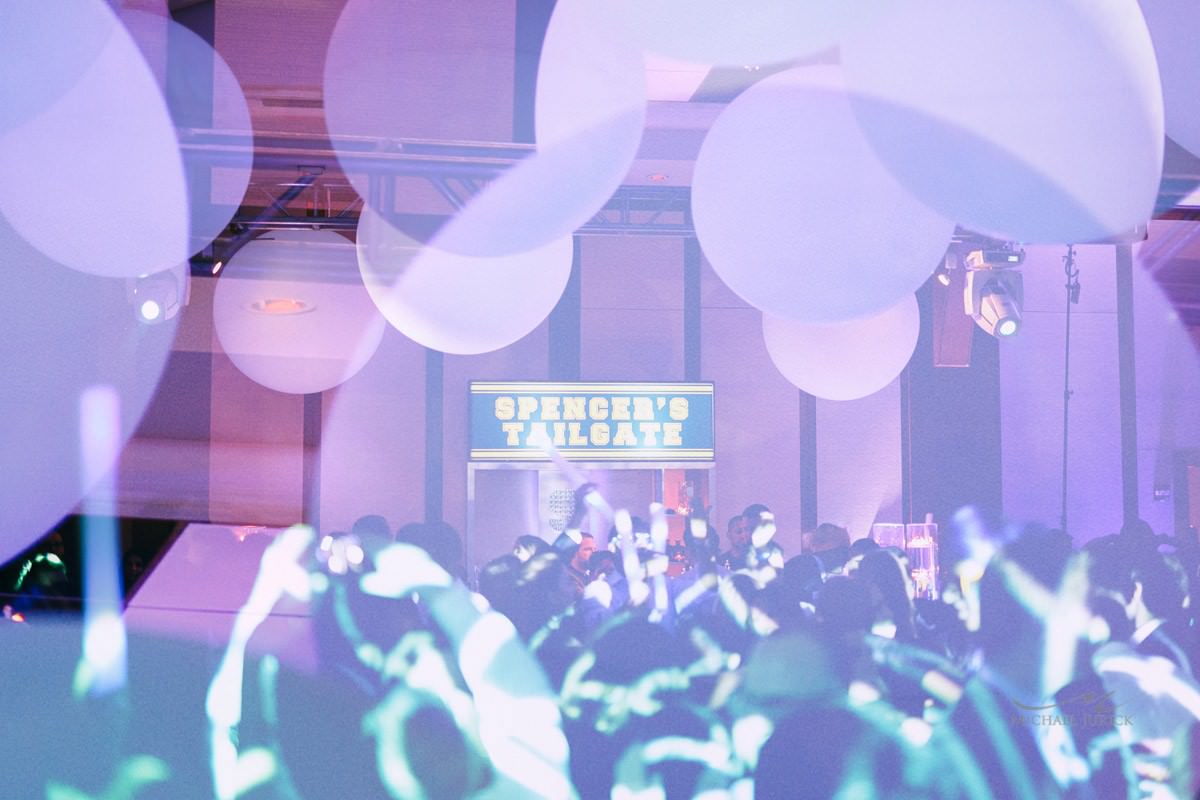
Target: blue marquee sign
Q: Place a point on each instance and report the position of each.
(512, 421)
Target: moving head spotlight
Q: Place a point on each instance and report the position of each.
(993, 298)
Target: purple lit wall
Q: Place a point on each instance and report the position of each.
(1168, 379)
(858, 461)
(632, 308)
(506, 503)
(757, 415)
(373, 440)
(256, 460)
(524, 360)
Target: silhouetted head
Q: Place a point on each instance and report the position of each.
(439, 539)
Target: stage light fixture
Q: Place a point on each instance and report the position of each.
(157, 298)
(994, 299)
(1002, 257)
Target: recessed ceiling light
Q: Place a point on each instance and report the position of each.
(280, 306)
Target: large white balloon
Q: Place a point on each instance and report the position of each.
(455, 303)
(1173, 27)
(63, 332)
(95, 179)
(42, 55)
(1026, 120)
(201, 92)
(725, 32)
(798, 216)
(292, 314)
(590, 108)
(845, 360)
(366, 82)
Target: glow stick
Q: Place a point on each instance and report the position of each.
(571, 473)
(629, 557)
(764, 531)
(658, 540)
(101, 670)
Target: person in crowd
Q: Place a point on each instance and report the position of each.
(577, 567)
(803, 575)
(892, 590)
(860, 547)
(578, 672)
(1033, 614)
(753, 512)
(529, 592)
(737, 533)
(371, 525)
(831, 544)
(841, 751)
(603, 564)
(1129, 569)
(440, 540)
(528, 546)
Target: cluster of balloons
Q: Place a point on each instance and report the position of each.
(100, 191)
(823, 195)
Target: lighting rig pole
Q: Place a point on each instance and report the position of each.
(1072, 286)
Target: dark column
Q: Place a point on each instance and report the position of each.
(808, 461)
(531, 20)
(950, 427)
(311, 501)
(434, 410)
(1128, 378)
(199, 18)
(564, 326)
(191, 100)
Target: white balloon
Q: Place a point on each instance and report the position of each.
(456, 303)
(364, 82)
(1173, 26)
(798, 216)
(725, 32)
(63, 332)
(844, 360)
(95, 180)
(1026, 120)
(589, 114)
(201, 92)
(292, 314)
(590, 109)
(42, 55)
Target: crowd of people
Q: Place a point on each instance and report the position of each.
(1038, 669)
(612, 664)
